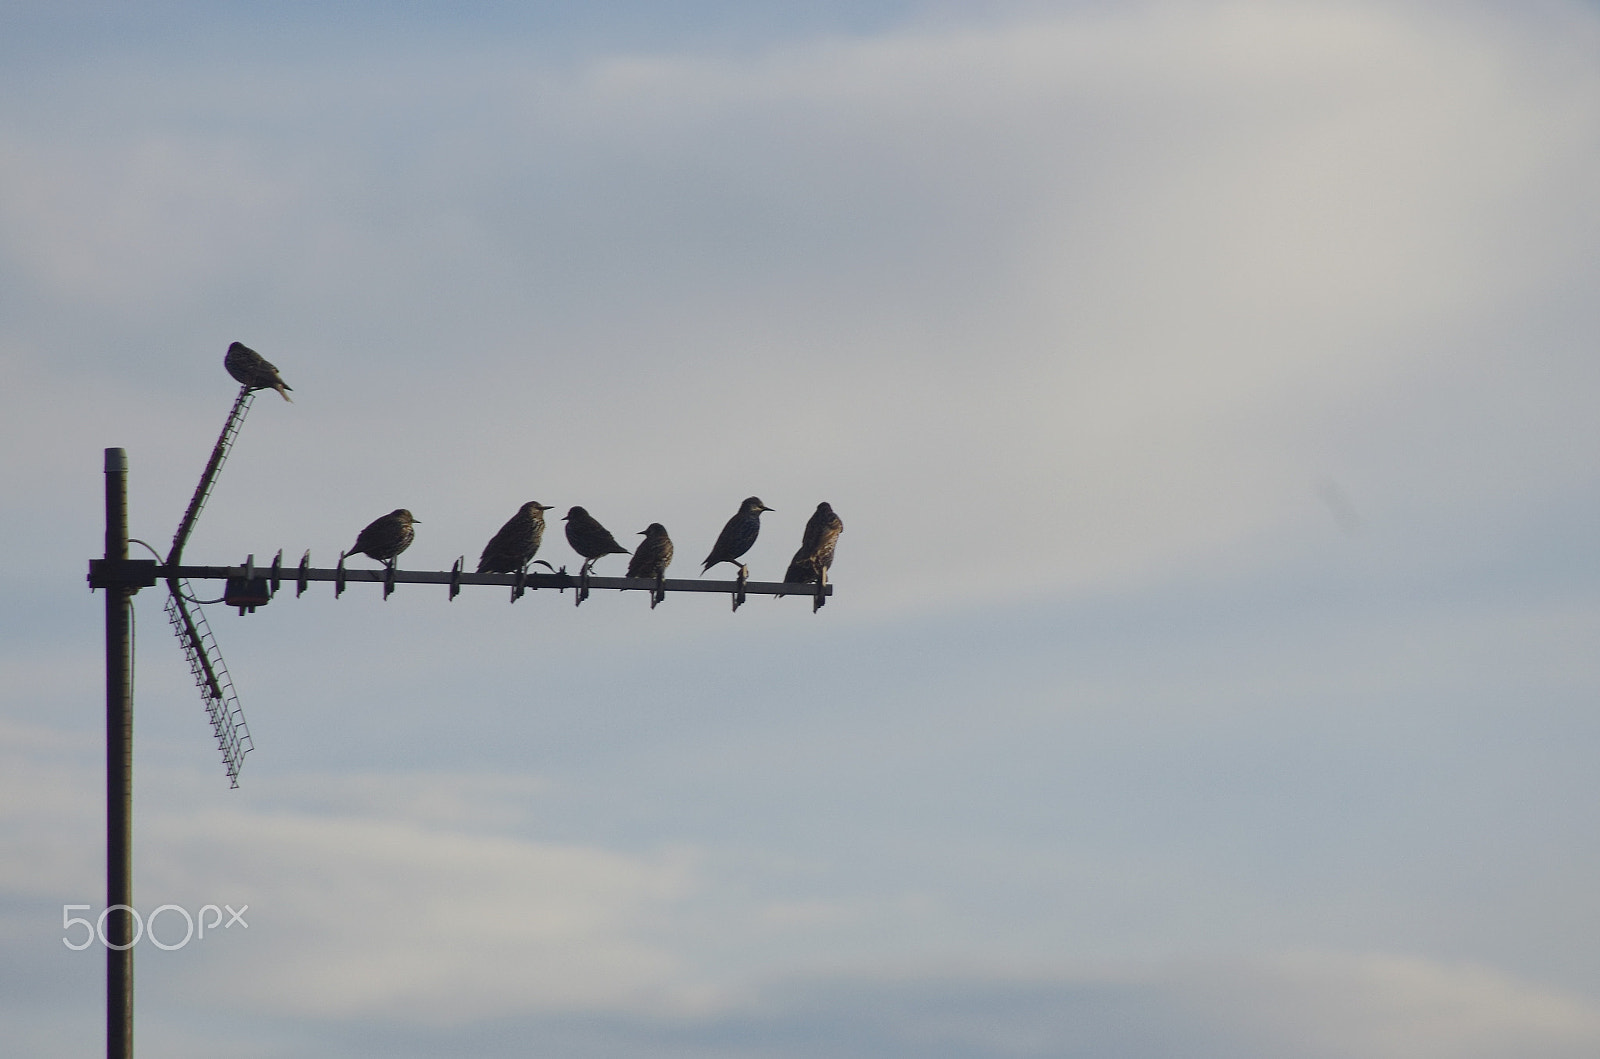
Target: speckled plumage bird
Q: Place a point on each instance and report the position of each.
(513, 548)
(252, 369)
(654, 553)
(738, 535)
(810, 564)
(590, 539)
(387, 537)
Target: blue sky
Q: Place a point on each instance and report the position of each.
(1207, 390)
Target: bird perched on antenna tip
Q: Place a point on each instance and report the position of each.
(252, 370)
(738, 535)
(513, 548)
(386, 537)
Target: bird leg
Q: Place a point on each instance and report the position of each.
(738, 592)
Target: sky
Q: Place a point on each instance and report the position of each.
(1207, 389)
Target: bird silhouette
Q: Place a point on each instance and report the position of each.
(654, 553)
(738, 535)
(590, 539)
(252, 369)
(810, 564)
(386, 537)
(513, 548)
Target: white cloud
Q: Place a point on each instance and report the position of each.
(358, 917)
(372, 905)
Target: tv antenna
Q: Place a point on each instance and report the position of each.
(193, 631)
(248, 587)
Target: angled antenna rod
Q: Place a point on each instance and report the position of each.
(219, 454)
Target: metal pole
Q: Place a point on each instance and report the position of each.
(119, 770)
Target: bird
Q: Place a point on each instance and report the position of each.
(252, 369)
(654, 553)
(588, 538)
(386, 537)
(738, 535)
(810, 564)
(510, 550)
